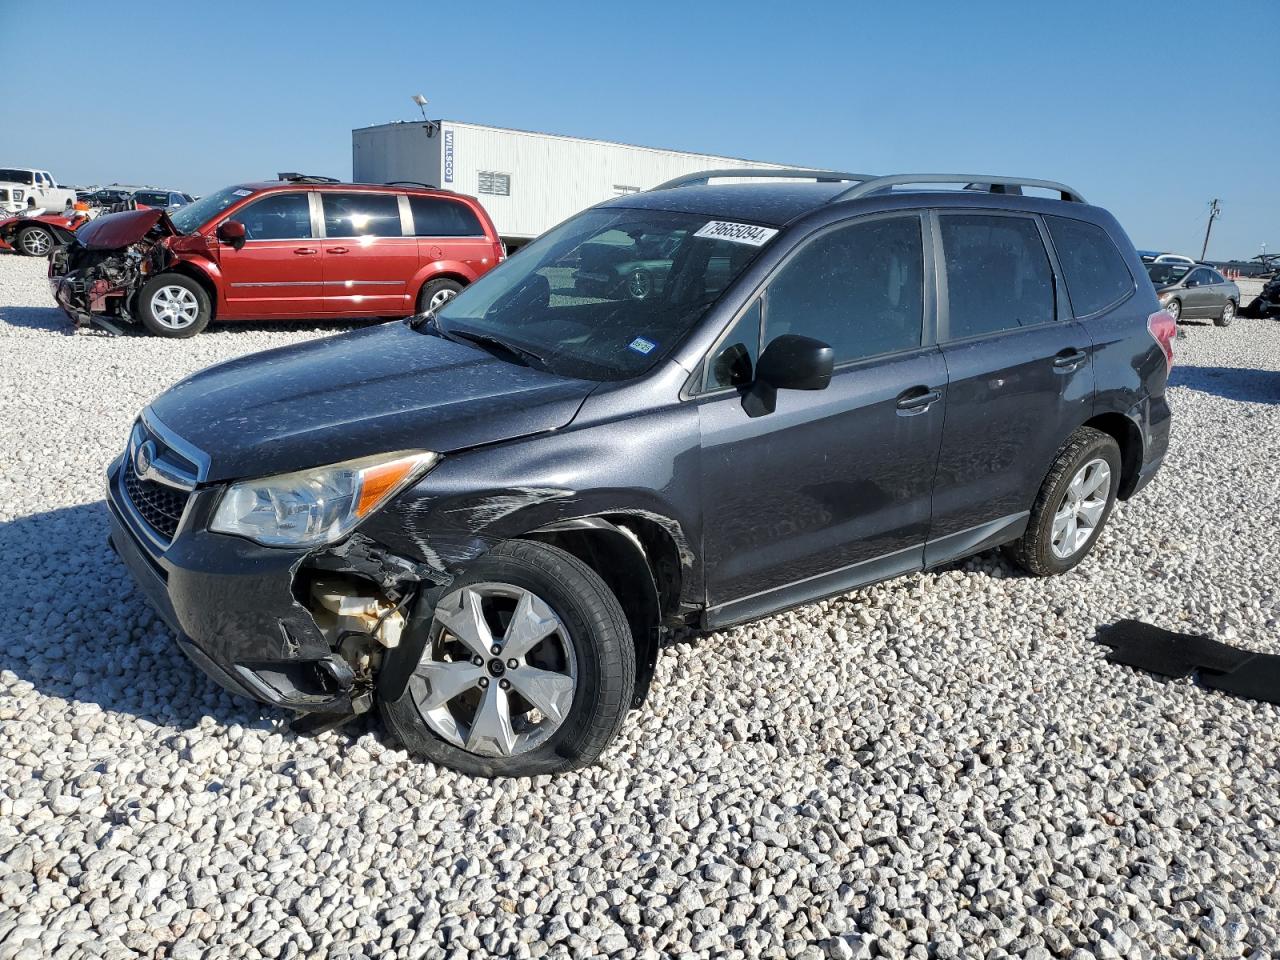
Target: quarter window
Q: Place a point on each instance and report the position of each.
(361, 214)
(734, 362)
(1092, 266)
(998, 274)
(433, 217)
(857, 288)
(277, 216)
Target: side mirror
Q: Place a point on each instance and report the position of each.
(793, 362)
(232, 232)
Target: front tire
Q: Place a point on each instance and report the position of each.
(1072, 506)
(528, 668)
(1228, 314)
(35, 242)
(174, 306)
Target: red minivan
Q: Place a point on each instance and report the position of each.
(301, 247)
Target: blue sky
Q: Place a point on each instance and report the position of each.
(1149, 109)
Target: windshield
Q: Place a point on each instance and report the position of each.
(605, 295)
(1163, 274)
(195, 215)
(16, 176)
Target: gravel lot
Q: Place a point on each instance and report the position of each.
(940, 766)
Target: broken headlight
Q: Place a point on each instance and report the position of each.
(313, 507)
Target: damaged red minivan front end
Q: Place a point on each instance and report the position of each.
(94, 277)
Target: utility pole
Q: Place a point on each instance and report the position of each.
(1214, 210)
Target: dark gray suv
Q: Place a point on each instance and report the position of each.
(486, 519)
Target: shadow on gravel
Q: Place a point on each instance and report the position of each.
(37, 318)
(85, 633)
(1230, 383)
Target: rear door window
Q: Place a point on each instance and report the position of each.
(360, 214)
(1092, 265)
(277, 216)
(857, 288)
(998, 274)
(434, 217)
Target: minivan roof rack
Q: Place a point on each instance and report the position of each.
(305, 178)
(792, 173)
(410, 183)
(971, 181)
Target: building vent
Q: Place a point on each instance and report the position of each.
(496, 184)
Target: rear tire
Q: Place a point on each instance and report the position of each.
(34, 242)
(445, 728)
(1228, 314)
(1174, 309)
(174, 306)
(1073, 505)
(436, 293)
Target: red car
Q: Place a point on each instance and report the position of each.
(35, 236)
(298, 247)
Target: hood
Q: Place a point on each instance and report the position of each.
(376, 390)
(117, 230)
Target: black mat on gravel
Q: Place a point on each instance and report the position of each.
(1217, 665)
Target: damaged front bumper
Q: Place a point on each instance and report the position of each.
(285, 627)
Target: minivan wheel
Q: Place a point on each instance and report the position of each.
(436, 293)
(171, 305)
(1228, 314)
(1174, 309)
(527, 668)
(35, 241)
(1072, 506)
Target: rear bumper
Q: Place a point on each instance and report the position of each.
(231, 605)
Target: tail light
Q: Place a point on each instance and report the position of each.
(499, 251)
(1163, 329)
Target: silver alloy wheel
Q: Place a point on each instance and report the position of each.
(175, 307)
(1080, 512)
(440, 298)
(36, 242)
(639, 285)
(495, 692)
(1174, 309)
(1228, 313)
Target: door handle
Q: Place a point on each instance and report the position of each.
(917, 400)
(304, 251)
(1069, 359)
(337, 250)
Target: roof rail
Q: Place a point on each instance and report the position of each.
(974, 181)
(305, 178)
(792, 173)
(410, 183)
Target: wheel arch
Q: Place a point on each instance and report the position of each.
(1128, 436)
(441, 270)
(640, 562)
(187, 269)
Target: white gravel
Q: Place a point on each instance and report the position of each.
(941, 766)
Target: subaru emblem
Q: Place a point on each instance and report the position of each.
(143, 457)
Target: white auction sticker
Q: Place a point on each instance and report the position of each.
(737, 232)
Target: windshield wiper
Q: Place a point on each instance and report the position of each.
(489, 342)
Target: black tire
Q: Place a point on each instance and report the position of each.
(639, 284)
(1034, 550)
(433, 287)
(145, 306)
(34, 242)
(1174, 308)
(603, 647)
(1228, 314)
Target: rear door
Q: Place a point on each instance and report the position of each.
(1020, 376)
(832, 487)
(277, 271)
(1198, 298)
(368, 257)
(448, 230)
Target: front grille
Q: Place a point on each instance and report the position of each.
(159, 506)
(156, 503)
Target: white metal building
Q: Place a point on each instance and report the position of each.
(527, 181)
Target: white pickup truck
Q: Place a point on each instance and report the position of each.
(23, 189)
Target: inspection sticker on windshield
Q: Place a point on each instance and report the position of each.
(747, 233)
(641, 345)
